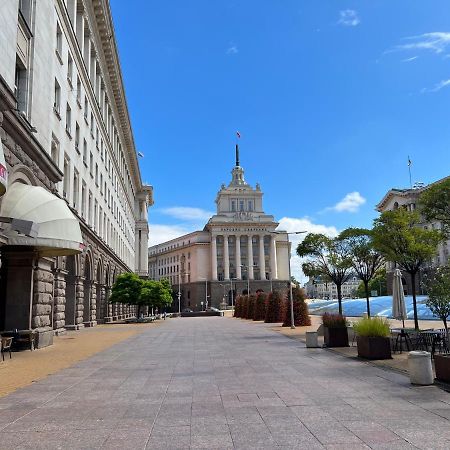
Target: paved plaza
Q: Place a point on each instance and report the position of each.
(219, 383)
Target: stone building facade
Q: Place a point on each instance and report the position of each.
(408, 199)
(64, 127)
(317, 288)
(237, 250)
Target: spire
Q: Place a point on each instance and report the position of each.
(237, 155)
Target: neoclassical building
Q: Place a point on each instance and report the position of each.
(237, 248)
(408, 198)
(71, 167)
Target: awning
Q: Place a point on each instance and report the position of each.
(3, 171)
(58, 229)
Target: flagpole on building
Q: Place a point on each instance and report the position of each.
(409, 169)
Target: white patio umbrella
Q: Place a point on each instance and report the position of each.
(398, 298)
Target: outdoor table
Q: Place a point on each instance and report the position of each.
(402, 336)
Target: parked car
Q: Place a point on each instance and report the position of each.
(211, 308)
(187, 310)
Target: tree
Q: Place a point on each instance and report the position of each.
(260, 306)
(438, 287)
(398, 236)
(434, 204)
(301, 315)
(126, 289)
(275, 308)
(328, 258)
(377, 283)
(155, 294)
(365, 259)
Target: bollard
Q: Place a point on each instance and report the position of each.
(312, 339)
(419, 368)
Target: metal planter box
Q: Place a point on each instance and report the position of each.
(442, 367)
(335, 337)
(374, 347)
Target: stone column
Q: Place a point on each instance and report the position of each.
(214, 257)
(79, 302)
(59, 301)
(250, 257)
(41, 311)
(238, 257)
(93, 314)
(102, 304)
(262, 260)
(109, 306)
(226, 258)
(273, 258)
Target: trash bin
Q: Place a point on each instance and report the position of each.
(311, 339)
(419, 368)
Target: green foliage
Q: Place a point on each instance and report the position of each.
(434, 204)
(332, 320)
(438, 287)
(156, 294)
(275, 308)
(238, 306)
(301, 314)
(399, 237)
(328, 258)
(377, 283)
(260, 306)
(126, 289)
(372, 327)
(365, 259)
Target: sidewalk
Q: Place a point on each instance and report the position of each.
(25, 367)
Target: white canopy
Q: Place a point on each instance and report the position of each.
(58, 229)
(3, 171)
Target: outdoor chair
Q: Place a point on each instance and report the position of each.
(6, 343)
(431, 341)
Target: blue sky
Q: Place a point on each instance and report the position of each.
(330, 98)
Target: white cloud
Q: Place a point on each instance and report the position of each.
(409, 59)
(161, 233)
(437, 87)
(291, 224)
(187, 213)
(349, 18)
(436, 42)
(232, 50)
(350, 203)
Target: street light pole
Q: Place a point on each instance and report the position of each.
(179, 294)
(291, 299)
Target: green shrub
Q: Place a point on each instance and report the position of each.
(372, 327)
(251, 306)
(275, 308)
(301, 316)
(260, 306)
(332, 320)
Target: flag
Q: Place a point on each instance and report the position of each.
(409, 162)
(238, 134)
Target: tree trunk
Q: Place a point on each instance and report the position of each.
(413, 282)
(138, 311)
(339, 293)
(366, 288)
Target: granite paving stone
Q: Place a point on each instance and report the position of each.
(221, 383)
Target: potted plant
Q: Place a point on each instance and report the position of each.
(335, 330)
(373, 338)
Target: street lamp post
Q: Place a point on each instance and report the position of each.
(248, 277)
(206, 292)
(291, 300)
(232, 299)
(179, 293)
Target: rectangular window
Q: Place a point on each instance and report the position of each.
(59, 43)
(86, 107)
(233, 205)
(250, 205)
(66, 179)
(68, 120)
(85, 151)
(83, 199)
(57, 99)
(55, 150)
(21, 87)
(77, 137)
(96, 174)
(241, 205)
(91, 164)
(78, 92)
(92, 125)
(69, 69)
(90, 208)
(76, 189)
